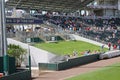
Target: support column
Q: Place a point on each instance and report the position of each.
(1, 49)
(80, 13)
(119, 5)
(3, 36)
(85, 12)
(14, 12)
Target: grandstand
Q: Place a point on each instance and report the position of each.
(46, 20)
(58, 20)
(89, 18)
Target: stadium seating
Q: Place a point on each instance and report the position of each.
(98, 28)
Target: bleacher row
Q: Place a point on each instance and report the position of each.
(106, 29)
(67, 21)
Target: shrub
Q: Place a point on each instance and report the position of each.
(18, 52)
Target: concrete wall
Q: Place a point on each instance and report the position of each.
(88, 40)
(37, 55)
(108, 4)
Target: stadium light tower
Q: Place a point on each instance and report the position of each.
(3, 36)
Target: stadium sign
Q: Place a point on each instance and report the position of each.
(23, 21)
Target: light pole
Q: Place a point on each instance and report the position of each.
(1, 50)
(29, 56)
(3, 37)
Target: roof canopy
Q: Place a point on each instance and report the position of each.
(49, 5)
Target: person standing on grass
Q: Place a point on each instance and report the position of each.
(114, 46)
(119, 44)
(102, 48)
(75, 53)
(109, 46)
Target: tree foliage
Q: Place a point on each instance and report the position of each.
(18, 52)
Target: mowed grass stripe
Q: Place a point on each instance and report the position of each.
(107, 73)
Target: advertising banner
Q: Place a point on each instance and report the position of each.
(23, 21)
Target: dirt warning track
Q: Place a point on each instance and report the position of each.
(61, 75)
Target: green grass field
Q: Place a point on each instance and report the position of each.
(107, 73)
(67, 47)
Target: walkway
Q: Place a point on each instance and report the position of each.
(77, 37)
(37, 55)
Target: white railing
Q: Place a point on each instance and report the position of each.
(103, 6)
(110, 54)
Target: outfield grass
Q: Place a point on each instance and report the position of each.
(67, 47)
(106, 73)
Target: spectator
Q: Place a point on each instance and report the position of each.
(102, 48)
(109, 45)
(119, 44)
(86, 52)
(114, 46)
(75, 53)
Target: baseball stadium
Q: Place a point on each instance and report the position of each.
(59, 39)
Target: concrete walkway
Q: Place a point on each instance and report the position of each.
(88, 40)
(37, 55)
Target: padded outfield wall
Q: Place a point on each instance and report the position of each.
(70, 63)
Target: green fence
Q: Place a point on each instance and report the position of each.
(48, 66)
(12, 67)
(1, 64)
(22, 75)
(70, 63)
(36, 39)
(58, 38)
(78, 61)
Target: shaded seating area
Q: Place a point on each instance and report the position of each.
(100, 29)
